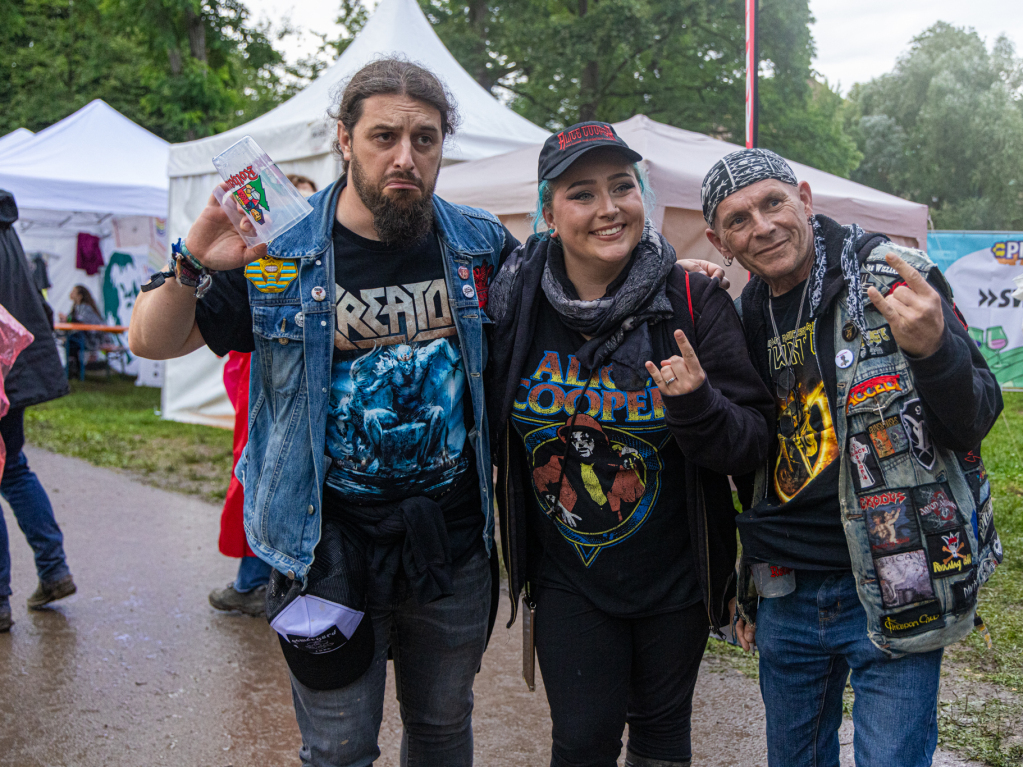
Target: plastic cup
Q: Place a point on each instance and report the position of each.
(773, 580)
(259, 191)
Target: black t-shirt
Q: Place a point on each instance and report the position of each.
(799, 523)
(399, 407)
(617, 531)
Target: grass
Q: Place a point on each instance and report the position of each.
(115, 424)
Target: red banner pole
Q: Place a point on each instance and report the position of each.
(752, 71)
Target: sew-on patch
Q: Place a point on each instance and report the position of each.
(949, 553)
(985, 523)
(878, 342)
(904, 578)
(483, 276)
(888, 437)
(872, 387)
(881, 267)
(920, 443)
(980, 488)
(271, 275)
(935, 507)
(964, 593)
(909, 622)
(866, 474)
(890, 522)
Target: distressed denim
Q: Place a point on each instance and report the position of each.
(437, 650)
(809, 641)
(31, 506)
(284, 463)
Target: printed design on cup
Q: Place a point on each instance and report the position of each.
(866, 473)
(890, 522)
(935, 507)
(271, 275)
(872, 387)
(909, 622)
(920, 443)
(904, 578)
(250, 194)
(949, 553)
(878, 342)
(888, 437)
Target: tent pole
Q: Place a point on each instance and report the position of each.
(752, 73)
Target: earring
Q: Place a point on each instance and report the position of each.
(553, 233)
(728, 260)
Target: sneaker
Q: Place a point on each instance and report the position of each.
(51, 592)
(5, 618)
(251, 602)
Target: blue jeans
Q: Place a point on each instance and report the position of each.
(31, 506)
(253, 572)
(437, 650)
(809, 641)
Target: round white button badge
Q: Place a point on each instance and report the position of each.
(844, 359)
(319, 294)
(467, 291)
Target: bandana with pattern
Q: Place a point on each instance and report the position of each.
(739, 170)
(850, 272)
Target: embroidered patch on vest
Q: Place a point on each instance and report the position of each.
(866, 474)
(935, 507)
(910, 622)
(890, 522)
(871, 388)
(964, 593)
(912, 416)
(985, 526)
(949, 553)
(904, 578)
(878, 342)
(271, 275)
(888, 437)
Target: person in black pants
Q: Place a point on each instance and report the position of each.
(622, 396)
(37, 376)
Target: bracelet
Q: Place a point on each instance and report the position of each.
(188, 271)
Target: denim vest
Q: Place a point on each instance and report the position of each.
(937, 493)
(284, 464)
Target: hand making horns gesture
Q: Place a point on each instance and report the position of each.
(913, 311)
(678, 375)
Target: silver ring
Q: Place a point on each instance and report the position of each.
(670, 380)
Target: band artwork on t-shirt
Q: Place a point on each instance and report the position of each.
(395, 407)
(807, 443)
(612, 478)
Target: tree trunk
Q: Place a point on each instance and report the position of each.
(174, 59)
(479, 11)
(196, 35)
(590, 82)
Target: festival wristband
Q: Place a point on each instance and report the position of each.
(188, 271)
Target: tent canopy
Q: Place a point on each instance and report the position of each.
(15, 138)
(299, 127)
(676, 161)
(93, 161)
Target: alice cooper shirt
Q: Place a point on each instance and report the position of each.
(607, 515)
(799, 523)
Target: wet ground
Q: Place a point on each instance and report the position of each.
(138, 669)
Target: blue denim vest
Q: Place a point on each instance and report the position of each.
(284, 464)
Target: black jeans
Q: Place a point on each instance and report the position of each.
(601, 672)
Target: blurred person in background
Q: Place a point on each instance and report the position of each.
(36, 377)
(305, 185)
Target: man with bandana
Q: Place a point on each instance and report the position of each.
(882, 402)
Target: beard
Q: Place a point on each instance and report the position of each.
(401, 217)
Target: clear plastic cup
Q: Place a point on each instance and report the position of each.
(773, 580)
(255, 185)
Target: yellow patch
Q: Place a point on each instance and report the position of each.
(271, 275)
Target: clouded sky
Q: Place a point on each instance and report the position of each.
(856, 39)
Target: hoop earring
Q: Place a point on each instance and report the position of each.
(728, 260)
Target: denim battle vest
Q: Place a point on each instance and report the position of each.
(293, 318)
(918, 519)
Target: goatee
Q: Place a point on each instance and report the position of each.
(402, 217)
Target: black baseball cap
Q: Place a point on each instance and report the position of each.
(564, 148)
(324, 631)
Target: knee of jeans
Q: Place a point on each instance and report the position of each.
(438, 732)
(582, 742)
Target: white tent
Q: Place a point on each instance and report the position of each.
(676, 161)
(298, 135)
(99, 173)
(14, 138)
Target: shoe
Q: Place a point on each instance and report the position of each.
(5, 618)
(251, 602)
(51, 592)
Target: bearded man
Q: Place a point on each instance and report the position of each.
(380, 263)
(882, 402)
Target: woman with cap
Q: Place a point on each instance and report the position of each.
(621, 398)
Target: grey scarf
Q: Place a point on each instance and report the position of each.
(618, 323)
(850, 273)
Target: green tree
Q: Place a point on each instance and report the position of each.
(945, 128)
(677, 61)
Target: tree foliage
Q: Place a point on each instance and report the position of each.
(678, 61)
(181, 68)
(945, 128)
